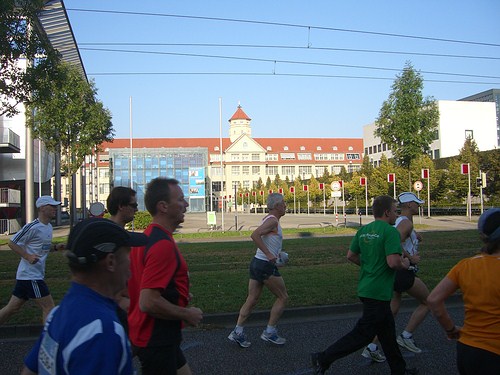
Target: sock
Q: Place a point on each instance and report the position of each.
(406, 334)
(372, 347)
(271, 329)
(238, 329)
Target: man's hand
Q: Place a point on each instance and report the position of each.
(405, 262)
(32, 258)
(193, 316)
(59, 246)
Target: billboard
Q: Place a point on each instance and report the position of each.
(196, 182)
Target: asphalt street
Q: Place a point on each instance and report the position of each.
(208, 350)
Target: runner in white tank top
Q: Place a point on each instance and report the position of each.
(263, 272)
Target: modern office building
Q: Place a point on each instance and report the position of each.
(492, 95)
(216, 167)
(458, 120)
(26, 167)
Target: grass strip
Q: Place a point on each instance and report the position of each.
(318, 272)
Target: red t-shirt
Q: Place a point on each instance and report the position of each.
(158, 265)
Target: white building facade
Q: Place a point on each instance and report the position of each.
(458, 120)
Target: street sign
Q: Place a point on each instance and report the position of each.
(464, 168)
(425, 173)
(305, 187)
(321, 186)
(418, 185)
(336, 185)
(336, 194)
(391, 177)
(362, 181)
(292, 189)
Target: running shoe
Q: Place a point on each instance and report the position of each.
(273, 338)
(240, 339)
(408, 344)
(375, 355)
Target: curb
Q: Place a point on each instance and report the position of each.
(227, 320)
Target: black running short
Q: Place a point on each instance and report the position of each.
(404, 280)
(262, 270)
(30, 289)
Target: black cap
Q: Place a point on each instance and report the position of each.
(91, 239)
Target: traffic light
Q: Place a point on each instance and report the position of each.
(479, 182)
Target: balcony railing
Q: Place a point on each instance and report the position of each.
(10, 197)
(9, 141)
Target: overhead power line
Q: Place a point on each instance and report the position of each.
(274, 61)
(219, 19)
(274, 74)
(288, 47)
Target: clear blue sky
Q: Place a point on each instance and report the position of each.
(308, 96)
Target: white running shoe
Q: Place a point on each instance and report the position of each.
(375, 355)
(408, 344)
(240, 339)
(273, 338)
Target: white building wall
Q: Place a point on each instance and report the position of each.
(455, 118)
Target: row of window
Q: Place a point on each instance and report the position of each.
(288, 156)
(377, 148)
(290, 171)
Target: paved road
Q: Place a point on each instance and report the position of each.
(209, 352)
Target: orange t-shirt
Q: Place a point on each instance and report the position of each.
(478, 279)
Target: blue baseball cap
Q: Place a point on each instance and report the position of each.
(489, 224)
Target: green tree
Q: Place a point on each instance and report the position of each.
(70, 120)
(490, 164)
(19, 40)
(407, 121)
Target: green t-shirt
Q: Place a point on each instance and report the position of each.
(374, 242)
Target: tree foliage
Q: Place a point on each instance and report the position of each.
(70, 119)
(407, 121)
(20, 44)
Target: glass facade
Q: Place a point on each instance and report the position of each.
(178, 163)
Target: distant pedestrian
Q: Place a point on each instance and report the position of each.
(159, 285)
(264, 272)
(478, 345)
(33, 243)
(82, 334)
(376, 248)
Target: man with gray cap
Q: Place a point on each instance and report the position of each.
(32, 243)
(83, 333)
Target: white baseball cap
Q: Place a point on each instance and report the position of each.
(46, 200)
(408, 197)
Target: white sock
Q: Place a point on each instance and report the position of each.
(372, 347)
(406, 334)
(271, 329)
(238, 329)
